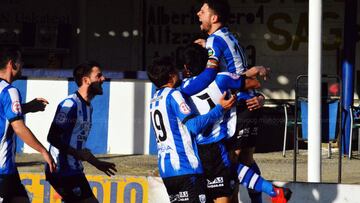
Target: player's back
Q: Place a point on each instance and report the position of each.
(207, 99)
(177, 152)
(73, 117)
(10, 110)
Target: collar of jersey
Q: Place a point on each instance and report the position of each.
(82, 99)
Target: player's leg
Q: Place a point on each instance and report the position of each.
(186, 188)
(11, 189)
(217, 171)
(73, 188)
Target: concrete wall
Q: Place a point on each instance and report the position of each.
(121, 123)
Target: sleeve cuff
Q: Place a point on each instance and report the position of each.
(16, 118)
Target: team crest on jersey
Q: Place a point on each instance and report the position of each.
(202, 198)
(60, 117)
(184, 108)
(16, 107)
(211, 52)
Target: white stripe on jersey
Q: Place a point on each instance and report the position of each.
(237, 57)
(253, 181)
(209, 42)
(243, 173)
(3, 84)
(4, 146)
(189, 150)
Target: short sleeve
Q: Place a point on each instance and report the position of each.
(179, 106)
(12, 106)
(214, 47)
(65, 114)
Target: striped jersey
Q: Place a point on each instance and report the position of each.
(73, 117)
(177, 151)
(207, 99)
(225, 48)
(10, 110)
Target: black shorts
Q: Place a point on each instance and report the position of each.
(71, 188)
(217, 170)
(10, 187)
(247, 128)
(186, 188)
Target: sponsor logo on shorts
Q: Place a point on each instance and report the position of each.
(183, 196)
(217, 182)
(16, 107)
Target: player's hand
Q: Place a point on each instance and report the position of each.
(84, 154)
(227, 104)
(201, 42)
(107, 167)
(35, 105)
(255, 102)
(49, 160)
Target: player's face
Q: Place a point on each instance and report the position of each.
(96, 79)
(205, 15)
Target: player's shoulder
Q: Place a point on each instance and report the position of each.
(8, 90)
(68, 102)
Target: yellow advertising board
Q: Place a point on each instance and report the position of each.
(119, 189)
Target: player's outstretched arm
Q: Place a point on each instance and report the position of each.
(199, 123)
(261, 71)
(28, 137)
(107, 167)
(35, 105)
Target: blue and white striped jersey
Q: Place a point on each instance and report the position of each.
(177, 151)
(224, 47)
(73, 117)
(10, 110)
(208, 98)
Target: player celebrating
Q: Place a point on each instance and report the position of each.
(68, 134)
(224, 51)
(11, 121)
(175, 125)
(212, 151)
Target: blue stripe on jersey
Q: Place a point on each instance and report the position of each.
(96, 142)
(152, 141)
(21, 85)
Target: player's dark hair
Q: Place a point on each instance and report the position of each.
(7, 53)
(221, 8)
(159, 71)
(82, 70)
(195, 57)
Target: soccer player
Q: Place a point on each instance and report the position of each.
(68, 134)
(11, 123)
(211, 143)
(175, 126)
(225, 52)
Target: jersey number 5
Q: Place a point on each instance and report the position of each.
(159, 127)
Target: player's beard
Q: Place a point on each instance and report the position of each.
(95, 88)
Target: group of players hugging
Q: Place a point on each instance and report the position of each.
(206, 119)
